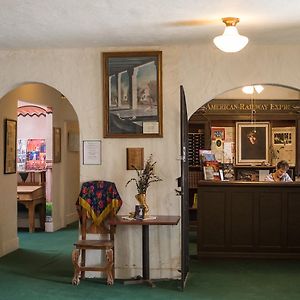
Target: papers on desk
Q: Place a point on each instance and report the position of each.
(262, 174)
(145, 219)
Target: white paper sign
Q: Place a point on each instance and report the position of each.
(150, 127)
(92, 152)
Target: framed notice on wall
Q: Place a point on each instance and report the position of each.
(10, 153)
(92, 152)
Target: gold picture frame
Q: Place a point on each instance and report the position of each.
(252, 143)
(56, 144)
(132, 84)
(10, 142)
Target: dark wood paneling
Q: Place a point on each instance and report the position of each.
(212, 219)
(298, 148)
(257, 219)
(270, 219)
(293, 220)
(242, 216)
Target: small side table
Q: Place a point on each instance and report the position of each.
(159, 220)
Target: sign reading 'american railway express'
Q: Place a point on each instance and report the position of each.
(246, 106)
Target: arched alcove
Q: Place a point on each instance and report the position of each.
(65, 176)
(217, 127)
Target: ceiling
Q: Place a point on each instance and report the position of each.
(28, 24)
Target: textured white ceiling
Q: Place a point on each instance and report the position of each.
(95, 23)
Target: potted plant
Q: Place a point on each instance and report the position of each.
(143, 180)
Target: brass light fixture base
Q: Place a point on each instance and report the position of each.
(230, 21)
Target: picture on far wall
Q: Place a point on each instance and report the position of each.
(36, 155)
(10, 141)
(284, 145)
(56, 144)
(252, 143)
(21, 155)
(132, 94)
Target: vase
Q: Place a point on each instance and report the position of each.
(141, 198)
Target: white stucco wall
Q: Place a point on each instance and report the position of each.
(203, 70)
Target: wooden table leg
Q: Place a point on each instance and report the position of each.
(30, 206)
(42, 212)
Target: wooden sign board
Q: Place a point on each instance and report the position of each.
(135, 158)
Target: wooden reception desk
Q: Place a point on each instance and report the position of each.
(248, 219)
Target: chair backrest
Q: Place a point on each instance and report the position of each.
(88, 226)
(97, 201)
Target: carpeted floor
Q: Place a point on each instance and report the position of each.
(42, 269)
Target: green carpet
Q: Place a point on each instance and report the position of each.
(42, 269)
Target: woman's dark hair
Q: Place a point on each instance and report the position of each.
(283, 165)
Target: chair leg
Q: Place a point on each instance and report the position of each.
(82, 264)
(75, 261)
(109, 266)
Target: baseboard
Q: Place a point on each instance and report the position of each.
(264, 255)
(71, 218)
(125, 273)
(9, 246)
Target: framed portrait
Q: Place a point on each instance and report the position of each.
(56, 145)
(252, 143)
(132, 84)
(10, 146)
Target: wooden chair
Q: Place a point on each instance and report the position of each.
(89, 223)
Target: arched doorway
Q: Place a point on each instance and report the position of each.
(64, 172)
(213, 127)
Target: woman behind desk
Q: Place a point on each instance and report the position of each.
(280, 175)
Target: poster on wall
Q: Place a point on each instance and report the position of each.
(21, 155)
(36, 155)
(283, 145)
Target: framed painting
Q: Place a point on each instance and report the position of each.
(252, 143)
(132, 84)
(35, 155)
(10, 146)
(56, 145)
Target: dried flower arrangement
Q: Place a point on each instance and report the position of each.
(145, 176)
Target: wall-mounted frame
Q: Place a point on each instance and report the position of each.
(73, 141)
(284, 144)
(252, 143)
(56, 144)
(135, 158)
(132, 94)
(10, 142)
(92, 152)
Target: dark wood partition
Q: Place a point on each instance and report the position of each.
(259, 219)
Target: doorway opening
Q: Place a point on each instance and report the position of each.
(47, 155)
(213, 135)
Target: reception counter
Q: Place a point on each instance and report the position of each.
(248, 219)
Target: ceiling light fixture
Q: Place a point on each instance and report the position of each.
(230, 40)
(250, 89)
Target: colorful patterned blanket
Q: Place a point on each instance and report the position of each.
(99, 198)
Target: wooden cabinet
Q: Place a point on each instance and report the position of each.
(199, 137)
(249, 219)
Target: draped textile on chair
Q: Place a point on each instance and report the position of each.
(99, 198)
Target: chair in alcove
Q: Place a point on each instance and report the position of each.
(97, 202)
